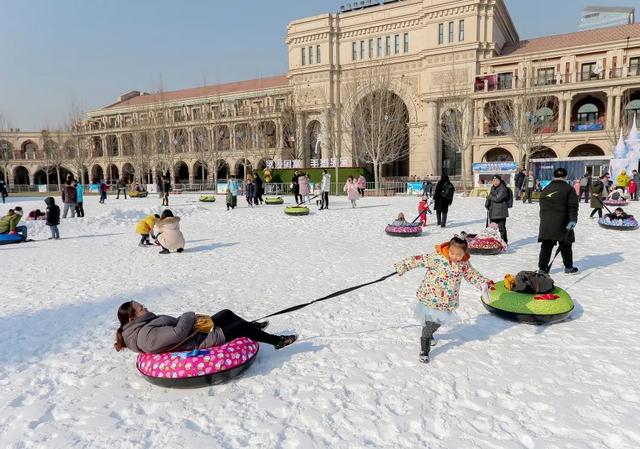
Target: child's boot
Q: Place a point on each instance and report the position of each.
(425, 348)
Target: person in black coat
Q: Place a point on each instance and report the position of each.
(443, 197)
(497, 205)
(296, 187)
(166, 188)
(53, 217)
(259, 189)
(519, 181)
(559, 205)
(3, 191)
(250, 191)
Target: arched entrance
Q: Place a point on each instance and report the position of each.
(96, 174)
(200, 172)
(243, 167)
(497, 155)
(314, 138)
(181, 172)
(112, 173)
(223, 169)
(28, 150)
(128, 173)
(450, 130)
(632, 110)
(380, 131)
(588, 114)
(586, 150)
(6, 150)
(20, 175)
(543, 153)
(40, 177)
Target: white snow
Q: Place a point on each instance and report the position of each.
(353, 380)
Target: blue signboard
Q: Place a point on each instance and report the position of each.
(495, 167)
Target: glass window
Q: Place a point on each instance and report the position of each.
(441, 34)
(318, 60)
(310, 55)
(379, 47)
(505, 81)
(371, 49)
(588, 113)
(397, 44)
(406, 42)
(387, 50)
(634, 66)
(587, 71)
(450, 32)
(362, 50)
(304, 56)
(461, 31)
(546, 76)
(354, 51)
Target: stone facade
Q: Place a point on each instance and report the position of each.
(594, 77)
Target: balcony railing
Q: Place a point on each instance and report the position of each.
(587, 126)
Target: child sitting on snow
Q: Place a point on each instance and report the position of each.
(400, 221)
(618, 195)
(618, 214)
(145, 229)
(439, 292)
(169, 235)
(423, 208)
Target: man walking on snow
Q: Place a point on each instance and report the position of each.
(559, 205)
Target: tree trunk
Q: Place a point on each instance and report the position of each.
(464, 172)
(376, 175)
(59, 180)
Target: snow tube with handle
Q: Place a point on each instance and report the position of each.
(617, 203)
(403, 231)
(207, 198)
(484, 246)
(296, 210)
(198, 368)
(273, 200)
(7, 239)
(136, 194)
(629, 224)
(549, 308)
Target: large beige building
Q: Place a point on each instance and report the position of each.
(591, 78)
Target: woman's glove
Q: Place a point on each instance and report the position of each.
(203, 323)
(400, 268)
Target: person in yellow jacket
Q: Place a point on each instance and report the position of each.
(623, 180)
(145, 228)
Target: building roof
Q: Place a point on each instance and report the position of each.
(206, 91)
(580, 38)
(622, 9)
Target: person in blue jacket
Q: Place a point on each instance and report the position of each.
(233, 188)
(79, 198)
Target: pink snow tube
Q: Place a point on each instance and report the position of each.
(200, 367)
(404, 231)
(485, 246)
(617, 203)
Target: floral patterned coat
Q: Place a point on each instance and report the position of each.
(440, 288)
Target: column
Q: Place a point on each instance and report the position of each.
(103, 143)
(561, 115)
(617, 108)
(610, 101)
(300, 137)
(567, 115)
(426, 155)
(119, 142)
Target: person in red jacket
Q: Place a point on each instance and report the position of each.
(423, 209)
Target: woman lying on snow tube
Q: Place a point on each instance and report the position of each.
(487, 243)
(619, 220)
(402, 228)
(177, 352)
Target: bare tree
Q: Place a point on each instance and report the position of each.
(529, 117)
(457, 120)
(623, 126)
(377, 118)
(53, 154)
(6, 149)
(78, 148)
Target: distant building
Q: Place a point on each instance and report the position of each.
(605, 16)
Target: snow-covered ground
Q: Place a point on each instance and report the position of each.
(353, 380)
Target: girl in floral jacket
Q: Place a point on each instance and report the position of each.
(439, 292)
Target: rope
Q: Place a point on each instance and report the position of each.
(332, 295)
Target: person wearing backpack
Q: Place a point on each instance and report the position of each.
(443, 197)
(498, 201)
(528, 186)
(559, 206)
(585, 187)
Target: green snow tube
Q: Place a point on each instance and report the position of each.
(296, 210)
(273, 200)
(549, 308)
(207, 198)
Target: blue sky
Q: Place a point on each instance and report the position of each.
(57, 52)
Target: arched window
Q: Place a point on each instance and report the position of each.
(588, 113)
